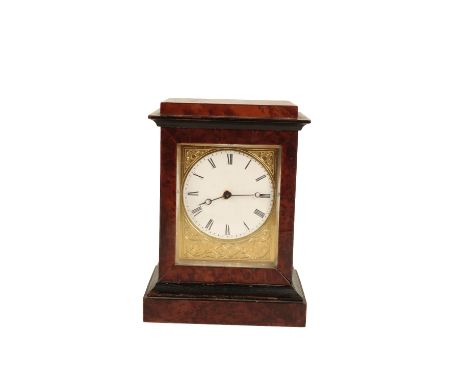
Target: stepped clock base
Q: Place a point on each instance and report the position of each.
(225, 304)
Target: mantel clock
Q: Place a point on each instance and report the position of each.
(227, 189)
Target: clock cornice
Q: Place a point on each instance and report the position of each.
(229, 114)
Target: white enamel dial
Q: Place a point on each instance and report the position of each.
(228, 194)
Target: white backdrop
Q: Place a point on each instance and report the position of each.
(382, 219)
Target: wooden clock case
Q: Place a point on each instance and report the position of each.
(216, 294)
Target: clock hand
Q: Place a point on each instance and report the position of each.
(227, 195)
(209, 201)
(257, 195)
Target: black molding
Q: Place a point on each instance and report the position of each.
(230, 123)
(228, 291)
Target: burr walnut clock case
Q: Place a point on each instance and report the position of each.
(228, 176)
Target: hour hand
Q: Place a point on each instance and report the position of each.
(207, 202)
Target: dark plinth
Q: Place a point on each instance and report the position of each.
(227, 304)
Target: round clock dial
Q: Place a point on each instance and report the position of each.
(228, 194)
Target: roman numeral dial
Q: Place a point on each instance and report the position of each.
(227, 194)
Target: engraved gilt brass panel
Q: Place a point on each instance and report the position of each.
(258, 249)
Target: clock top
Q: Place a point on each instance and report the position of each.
(229, 113)
(191, 107)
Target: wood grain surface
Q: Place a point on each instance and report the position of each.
(228, 108)
(224, 309)
(169, 271)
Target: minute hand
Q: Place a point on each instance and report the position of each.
(257, 195)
